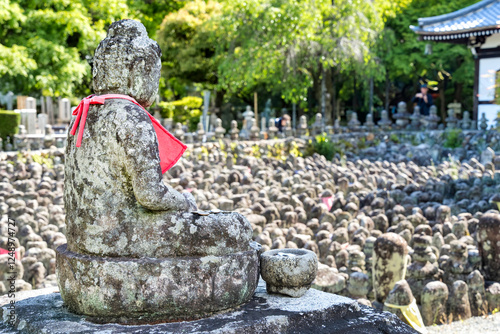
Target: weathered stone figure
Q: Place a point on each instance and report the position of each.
(458, 303)
(219, 129)
(234, 132)
(135, 250)
(434, 298)
(302, 128)
(488, 237)
(389, 263)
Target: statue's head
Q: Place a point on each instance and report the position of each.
(128, 62)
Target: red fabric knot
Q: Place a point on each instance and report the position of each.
(169, 147)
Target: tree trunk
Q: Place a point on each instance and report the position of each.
(219, 98)
(355, 93)
(387, 90)
(458, 93)
(443, 100)
(335, 111)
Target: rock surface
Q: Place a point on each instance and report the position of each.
(316, 312)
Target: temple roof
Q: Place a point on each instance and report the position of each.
(480, 19)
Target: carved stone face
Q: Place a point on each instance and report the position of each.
(127, 62)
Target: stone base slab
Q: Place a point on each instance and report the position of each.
(43, 311)
(149, 290)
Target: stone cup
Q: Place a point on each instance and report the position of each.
(288, 271)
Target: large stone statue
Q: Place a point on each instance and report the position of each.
(136, 251)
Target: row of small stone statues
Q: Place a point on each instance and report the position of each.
(22, 141)
(416, 121)
(404, 121)
(250, 131)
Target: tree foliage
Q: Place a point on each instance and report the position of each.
(282, 45)
(282, 48)
(152, 12)
(44, 44)
(188, 47)
(405, 59)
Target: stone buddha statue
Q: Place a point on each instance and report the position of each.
(136, 250)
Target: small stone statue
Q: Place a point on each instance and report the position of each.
(263, 129)
(455, 268)
(477, 294)
(451, 120)
(8, 144)
(466, 121)
(354, 122)
(178, 132)
(483, 122)
(302, 129)
(385, 123)
(200, 132)
(423, 269)
(318, 125)
(219, 130)
(433, 300)
(234, 132)
(254, 130)
(401, 116)
(272, 129)
(488, 237)
(140, 247)
(245, 132)
(336, 126)
(48, 139)
(369, 125)
(288, 130)
(389, 263)
(248, 114)
(433, 119)
(415, 118)
(20, 140)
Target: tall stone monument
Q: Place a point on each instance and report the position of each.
(64, 114)
(138, 251)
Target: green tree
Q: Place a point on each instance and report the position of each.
(45, 44)
(188, 45)
(284, 46)
(152, 12)
(404, 58)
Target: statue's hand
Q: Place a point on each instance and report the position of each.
(191, 203)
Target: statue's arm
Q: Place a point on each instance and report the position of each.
(137, 137)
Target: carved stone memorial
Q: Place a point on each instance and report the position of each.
(138, 251)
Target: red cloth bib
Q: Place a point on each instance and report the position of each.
(169, 147)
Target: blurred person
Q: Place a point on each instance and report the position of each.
(423, 99)
(282, 122)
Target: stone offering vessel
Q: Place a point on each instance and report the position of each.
(138, 251)
(289, 271)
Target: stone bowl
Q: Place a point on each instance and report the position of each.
(288, 271)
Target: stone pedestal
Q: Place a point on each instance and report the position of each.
(141, 290)
(42, 311)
